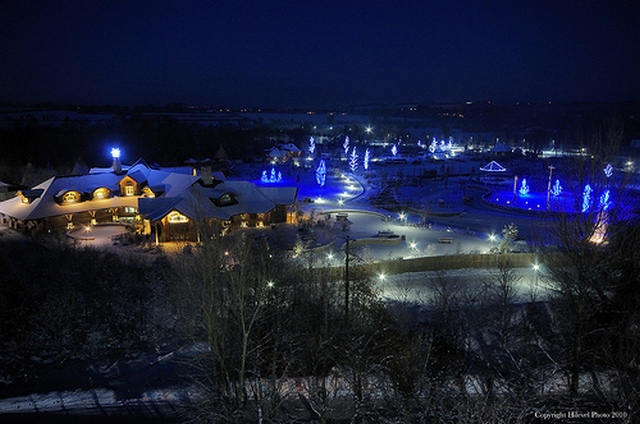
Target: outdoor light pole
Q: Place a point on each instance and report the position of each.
(346, 282)
(551, 168)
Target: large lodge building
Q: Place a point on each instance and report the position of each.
(173, 204)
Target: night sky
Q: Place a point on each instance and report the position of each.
(318, 53)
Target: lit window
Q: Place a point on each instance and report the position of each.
(176, 217)
(101, 193)
(129, 189)
(129, 209)
(226, 199)
(148, 192)
(70, 197)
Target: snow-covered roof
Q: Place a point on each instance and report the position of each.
(174, 188)
(290, 147)
(198, 202)
(166, 183)
(276, 153)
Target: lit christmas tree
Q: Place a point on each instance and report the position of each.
(524, 188)
(586, 198)
(605, 200)
(321, 174)
(312, 146)
(367, 158)
(353, 160)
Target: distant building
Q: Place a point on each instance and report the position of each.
(284, 152)
(171, 203)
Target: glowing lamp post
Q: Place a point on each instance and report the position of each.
(115, 155)
(536, 269)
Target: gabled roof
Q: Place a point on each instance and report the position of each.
(175, 189)
(198, 202)
(290, 147)
(276, 153)
(166, 183)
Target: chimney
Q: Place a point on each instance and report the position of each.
(206, 176)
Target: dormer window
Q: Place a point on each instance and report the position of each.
(147, 192)
(71, 197)
(101, 193)
(27, 196)
(226, 199)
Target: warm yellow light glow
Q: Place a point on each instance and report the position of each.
(101, 193)
(176, 217)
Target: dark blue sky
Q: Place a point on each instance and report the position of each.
(318, 53)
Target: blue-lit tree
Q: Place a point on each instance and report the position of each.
(367, 158)
(271, 177)
(605, 200)
(321, 174)
(433, 146)
(608, 170)
(524, 187)
(394, 149)
(312, 146)
(353, 160)
(557, 189)
(586, 198)
(345, 145)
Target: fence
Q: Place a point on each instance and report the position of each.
(436, 263)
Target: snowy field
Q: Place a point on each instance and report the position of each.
(439, 223)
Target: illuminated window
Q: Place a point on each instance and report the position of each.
(70, 197)
(129, 209)
(101, 193)
(226, 199)
(176, 217)
(129, 189)
(148, 192)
